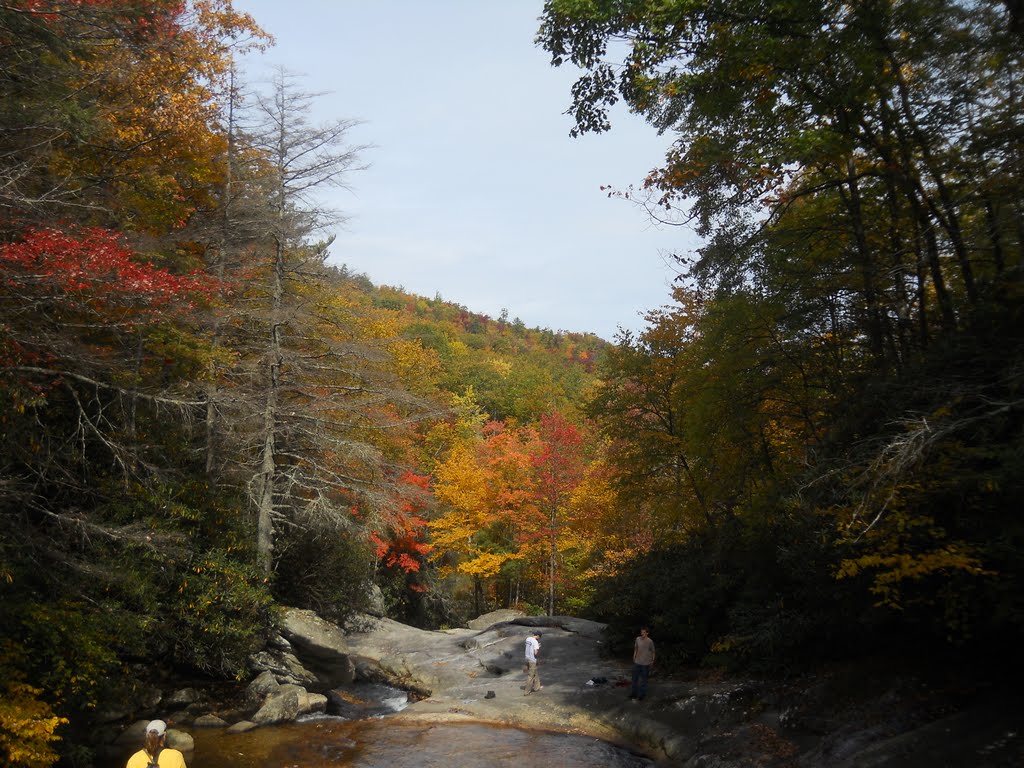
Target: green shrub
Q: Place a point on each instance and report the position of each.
(324, 570)
(220, 614)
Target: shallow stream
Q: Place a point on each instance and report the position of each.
(386, 743)
(363, 733)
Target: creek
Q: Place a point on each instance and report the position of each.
(384, 743)
(367, 735)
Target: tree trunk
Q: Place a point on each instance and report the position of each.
(867, 266)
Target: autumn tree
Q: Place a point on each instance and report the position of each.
(108, 132)
(101, 519)
(489, 519)
(307, 413)
(112, 109)
(856, 103)
(852, 169)
(640, 407)
(558, 464)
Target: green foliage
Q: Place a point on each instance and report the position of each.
(823, 434)
(943, 542)
(326, 570)
(515, 372)
(219, 616)
(69, 650)
(745, 596)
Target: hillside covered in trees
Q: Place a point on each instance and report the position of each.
(813, 451)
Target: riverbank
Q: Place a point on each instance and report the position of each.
(840, 718)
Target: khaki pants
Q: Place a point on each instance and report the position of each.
(532, 680)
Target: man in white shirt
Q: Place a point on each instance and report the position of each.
(643, 660)
(532, 646)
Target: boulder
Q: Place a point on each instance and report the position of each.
(241, 726)
(375, 601)
(182, 698)
(301, 694)
(181, 717)
(180, 740)
(280, 707)
(278, 642)
(284, 665)
(209, 721)
(317, 703)
(488, 620)
(323, 644)
(134, 736)
(262, 686)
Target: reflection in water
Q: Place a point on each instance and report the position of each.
(385, 743)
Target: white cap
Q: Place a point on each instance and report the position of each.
(159, 727)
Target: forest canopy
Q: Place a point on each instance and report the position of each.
(816, 440)
(834, 398)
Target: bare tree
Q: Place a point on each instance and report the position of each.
(304, 405)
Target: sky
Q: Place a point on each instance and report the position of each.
(474, 190)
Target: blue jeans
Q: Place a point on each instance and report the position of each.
(640, 674)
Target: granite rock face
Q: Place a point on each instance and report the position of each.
(476, 674)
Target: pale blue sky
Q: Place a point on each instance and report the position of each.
(475, 191)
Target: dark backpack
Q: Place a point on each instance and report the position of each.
(154, 761)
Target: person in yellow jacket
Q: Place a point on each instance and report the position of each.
(155, 752)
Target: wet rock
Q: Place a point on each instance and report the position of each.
(317, 703)
(279, 707)
(209, 721)
(307, 702)
(261, 687)
(241, 726)
(182, 698)
(361, 701)
(284, 665)
(180, 740)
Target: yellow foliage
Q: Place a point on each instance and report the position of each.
(415, 365)
(485, 564)
(27, 726)
(459, 481)
(501, 365)
(891, 570)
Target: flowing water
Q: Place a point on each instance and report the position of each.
(386, 743)
(365, 737)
